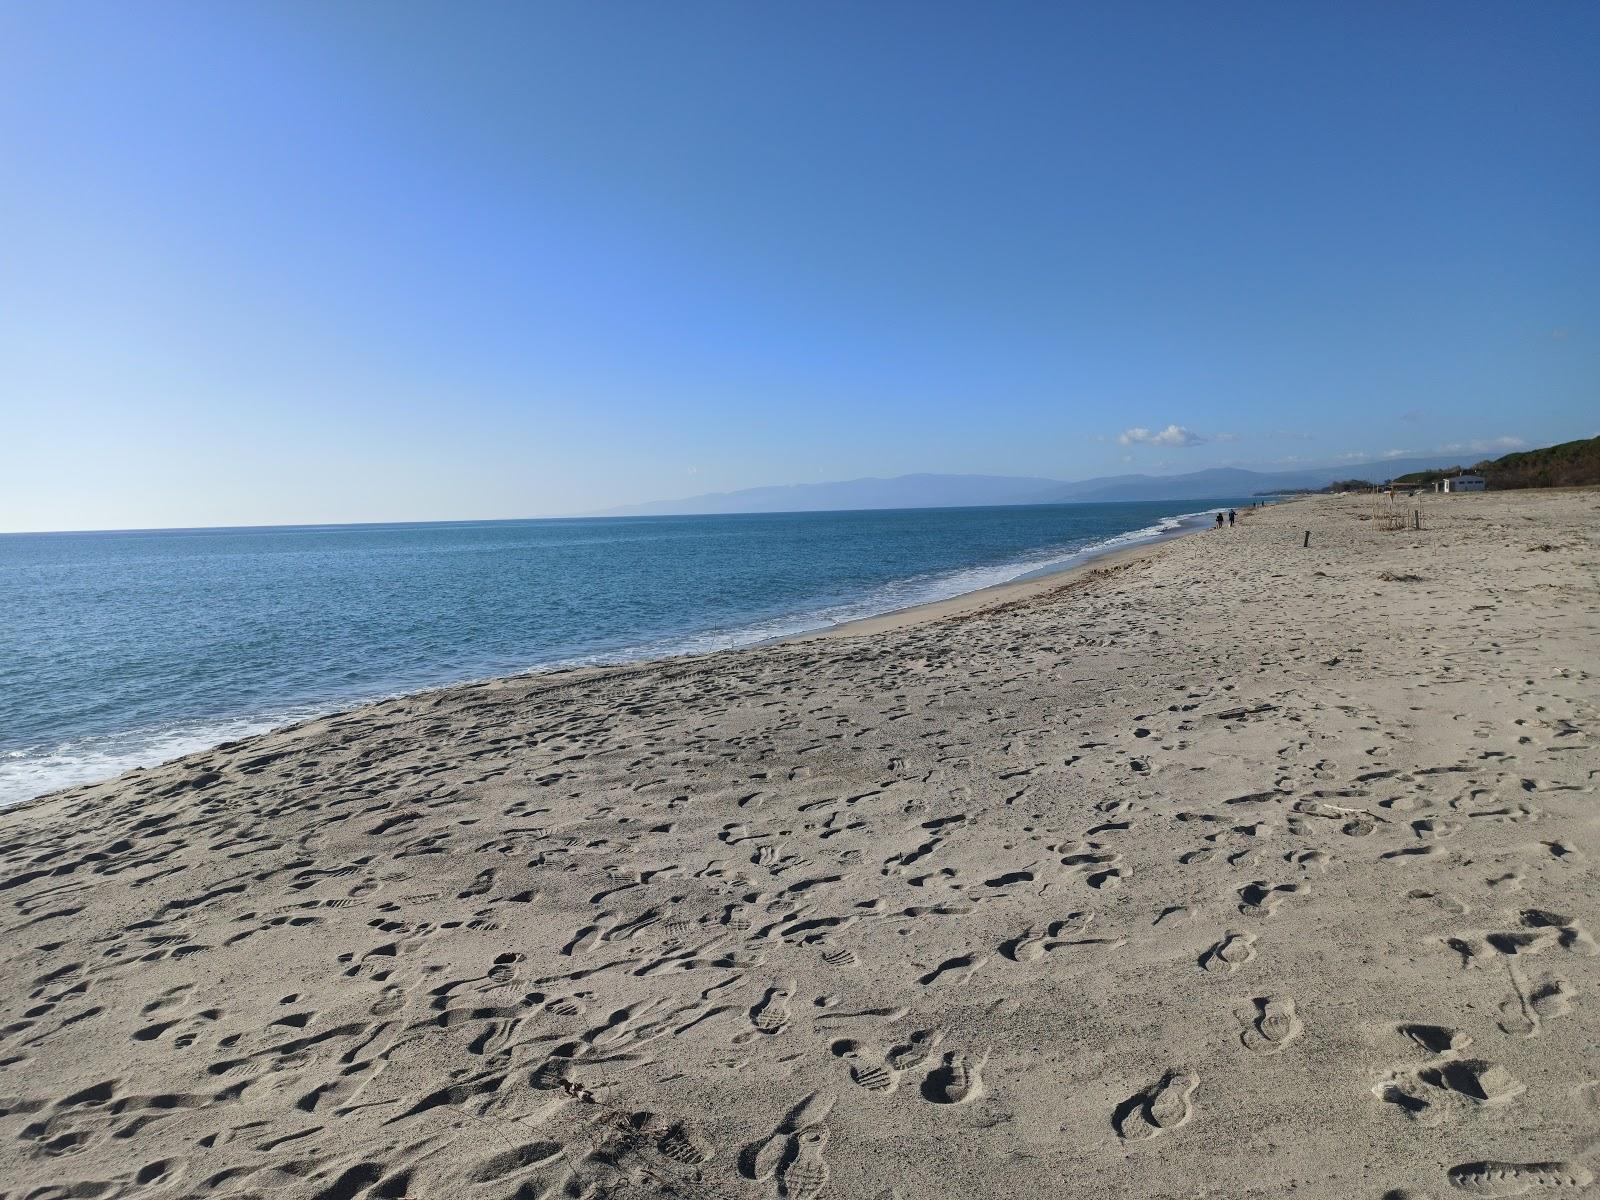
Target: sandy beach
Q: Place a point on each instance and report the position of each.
(1227, 867)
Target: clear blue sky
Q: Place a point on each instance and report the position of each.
(338, 262)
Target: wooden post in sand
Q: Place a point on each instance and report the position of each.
(1307, 543)
(1416, 518)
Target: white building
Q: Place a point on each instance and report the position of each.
(1464, 483)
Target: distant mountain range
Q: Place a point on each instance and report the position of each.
(967, 491)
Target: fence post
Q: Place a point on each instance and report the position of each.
(1307, 544)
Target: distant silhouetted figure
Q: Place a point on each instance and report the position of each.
(1219, 520)
(1231, 516)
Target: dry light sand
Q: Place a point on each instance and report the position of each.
(1232, 869)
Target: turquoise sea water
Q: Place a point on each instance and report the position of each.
(124, 649)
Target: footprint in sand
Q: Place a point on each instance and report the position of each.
(1531, 1005)
(1333, 812)
(1541, 930)
(522, 1158)
(1107, 880)
(1159, 1109)
(1442, 900)
(1524, 1012)
(959, 970)
(1259, 899)
(918, 1047)
(586, 938)
(1570, 932)
(761, 1160)
(1073, 924)
(1563, 852)
(771, 1015)
(1029, 947)
(1231, 953)
(866, 1068)
(1511, 881)
(675, 929)
(1436, 1039)
(685, 1144)
(391, 1001)
(803, 1174)
(1311, 859)
(1447, 1086)
(1492, 1178)
(1274, 1026)
(503, 973)
(958, 1081)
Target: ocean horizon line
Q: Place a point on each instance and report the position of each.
(449, 522)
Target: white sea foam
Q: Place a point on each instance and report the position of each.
(34, 771)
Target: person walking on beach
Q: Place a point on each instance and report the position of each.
(1231, 516)
(1219, 518)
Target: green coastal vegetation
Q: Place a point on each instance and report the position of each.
(1569, 464)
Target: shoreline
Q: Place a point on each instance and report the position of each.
(1024, 587)
(951, 608)
(1030, 582)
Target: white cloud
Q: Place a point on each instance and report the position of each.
(1393, 454)
(1172, 435)
(1483, 445)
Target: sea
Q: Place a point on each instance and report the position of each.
(126, 649)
